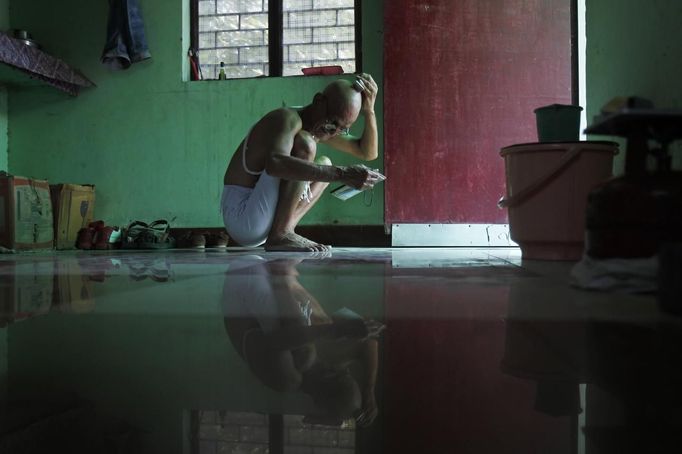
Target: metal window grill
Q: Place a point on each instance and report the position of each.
(227, 431)
(236, 32)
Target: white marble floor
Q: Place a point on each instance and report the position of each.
(480, 352)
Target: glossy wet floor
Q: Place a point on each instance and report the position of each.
(359, 351)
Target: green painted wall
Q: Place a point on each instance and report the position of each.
(3, 128)
(4, 15)
(155, 146)
(634, 47)
(4, 26)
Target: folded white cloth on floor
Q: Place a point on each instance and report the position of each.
(617, 275)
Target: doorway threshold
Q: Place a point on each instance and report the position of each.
(451, 235)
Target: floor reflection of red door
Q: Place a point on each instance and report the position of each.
(461, 80)
(444, 390)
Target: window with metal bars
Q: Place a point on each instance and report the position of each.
(257, 38)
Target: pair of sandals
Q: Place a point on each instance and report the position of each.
(140, 235)
(157, 270)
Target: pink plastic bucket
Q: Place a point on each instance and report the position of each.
(547, 189)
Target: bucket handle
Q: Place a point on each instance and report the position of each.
(529, 190)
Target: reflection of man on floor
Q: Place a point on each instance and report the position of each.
(274, 177)
(290, 343)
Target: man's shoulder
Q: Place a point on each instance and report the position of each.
(283, 117)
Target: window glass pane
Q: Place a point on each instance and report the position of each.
(347, 17)
(234, 32)
(254, 21)
(253, 54)
(323, 4)
(334, 34)
(311, 18)
(294, 5)
(240, 38)
(347, 51)
(297, 35)
(241, 6)
(225, 431)
(206, 40)
(312, 53)
(318, 33)
(214, 23)
(207, 7)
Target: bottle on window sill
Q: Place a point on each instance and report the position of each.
(221, 74)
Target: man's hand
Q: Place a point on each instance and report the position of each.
(374, 329)
(369, 93)
(360, 177)
(357, 328)
(369, 410)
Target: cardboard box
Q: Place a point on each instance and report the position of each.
(74, 285)
(25, 213)
(26, 290)
(74, 207)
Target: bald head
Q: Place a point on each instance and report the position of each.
(343, 99)
(333, 110)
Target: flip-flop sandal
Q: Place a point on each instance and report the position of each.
(130, 236)
(156, 236)
(160, 271)
(191, 240)
(217, 240)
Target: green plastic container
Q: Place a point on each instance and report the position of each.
(558, 123)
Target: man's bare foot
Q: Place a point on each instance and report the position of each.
(293, 242)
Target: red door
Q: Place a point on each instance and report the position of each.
(461, 80)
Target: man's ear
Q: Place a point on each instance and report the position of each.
(318, 98)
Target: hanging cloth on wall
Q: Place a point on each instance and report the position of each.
(126, 43)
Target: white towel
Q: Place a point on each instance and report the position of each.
(617, 275)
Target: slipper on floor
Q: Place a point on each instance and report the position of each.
(155, 235)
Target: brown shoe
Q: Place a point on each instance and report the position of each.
(217, 239)
(86, 235)
(104, 238)
(191, 240)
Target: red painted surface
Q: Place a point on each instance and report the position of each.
(461, 80)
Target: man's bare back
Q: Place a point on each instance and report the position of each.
(258, 152)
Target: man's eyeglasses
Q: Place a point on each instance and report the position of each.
(331, 128)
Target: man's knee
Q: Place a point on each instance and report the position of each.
(302, 149)
(304, 357)
(323, 161)
(303, 153)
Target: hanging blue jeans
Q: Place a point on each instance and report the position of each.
(126, 42)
